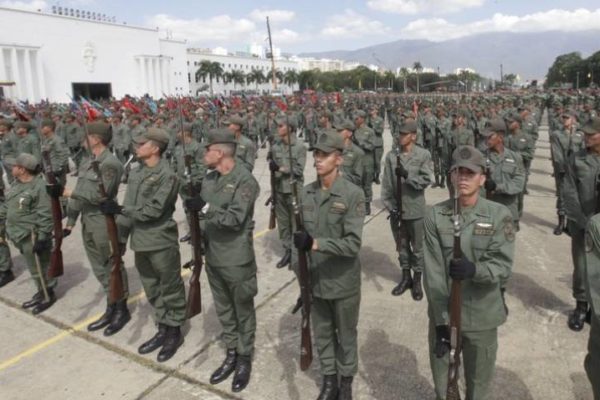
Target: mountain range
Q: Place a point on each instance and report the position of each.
(528, 55)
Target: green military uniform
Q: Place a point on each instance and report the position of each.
(507, 171)
(376, 124)
(85, 200)
(59, 157)
(353, 169)
(245, 152)
(195, 152)
(121, 141)
(227, 224)
(364, 137)
(147, 218)
(73, 136)
(417, 164)
(521, 143)
(592, 284)
(28, 143)
(27, 209)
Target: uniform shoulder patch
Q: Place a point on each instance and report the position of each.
(247, 192)
(508, 228)
(360, 209)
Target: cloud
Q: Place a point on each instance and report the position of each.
(422, 6)
(25, 5)
(274, 15)
(220, 28)
(439, 29)
(352, 24)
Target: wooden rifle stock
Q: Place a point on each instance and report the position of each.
(56, 259)
(452, 391)
(194, 301)
(272, 201)
(398, 200)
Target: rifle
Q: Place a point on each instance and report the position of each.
(56, 268)
(116, 291)
(194, 301)
(272, 200)
(452, 391)
(306, 355)
(488, 173)
(398, 199)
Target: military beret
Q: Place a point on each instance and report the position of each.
(220, 135)
(285, 120)
(496, 125)
(592, 126)
(23, 125)
(48, 122)
(329, 141)
(345, 124)
(236, 120)
(409, 125)
(160, 136)
(25, 160)
(360, 114)
(100, 129)
(468, 157)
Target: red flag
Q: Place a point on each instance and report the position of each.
(130, 106)
(281, 105)
(91, 112)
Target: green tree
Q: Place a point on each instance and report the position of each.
(290, 78)
(418, 68)
(255, 76)
(564, 69)
(210, 69)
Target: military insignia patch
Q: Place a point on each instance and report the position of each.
(338, 207)
(464, 153)
(589, 243)
(246, 192)
(509, 229)
(483, 229)
(360, 209)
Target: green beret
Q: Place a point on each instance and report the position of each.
(100, 129)
(160, 136)
(221, 135)
(329, 141)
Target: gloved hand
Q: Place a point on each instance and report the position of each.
(41, 245)
(194, 204)
(402, 171)
(461, 269)
(490, 185)
(55, 190)
(394, 214)
(303, 241)
(442, 340)
(122, 248)
(66, 232)
(110, 207)
(273, 166)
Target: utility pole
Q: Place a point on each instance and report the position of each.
(577, 80)
(273, 75)
(501, 77)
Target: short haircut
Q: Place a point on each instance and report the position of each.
(228, 149)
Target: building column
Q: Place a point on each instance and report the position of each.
(163, 81)
(144, 85)
(152, 77)
(169, 80)
(29, 78)
(155, 76)
(3, 75)
(40, 75)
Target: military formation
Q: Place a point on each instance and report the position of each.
(458, 254)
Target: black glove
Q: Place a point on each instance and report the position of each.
(110, 207)
(394, 214)
(402, 171)
(41, 245)
(273, 166)
(55, 190)
(303, 241)
(194, 204)
(66, 232)
(490, 185)
(442, 340)
(122, 248)
(462, 269)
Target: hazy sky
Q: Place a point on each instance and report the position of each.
(317, 25)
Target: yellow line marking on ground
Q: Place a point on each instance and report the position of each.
(70, 331)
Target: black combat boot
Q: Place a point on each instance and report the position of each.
(43, 305)
(416, 290)
(173, 340)
(155, 342)
(561, 224)
(185, 238)
(442, 182)
(376, 180)
(286, 259)
(405, 284)
(104, 320)
(367, 208)
(39, 296)
(226, 368)
(436, 183)
(577, 316)
(119, 318)
(345, 388)
(241, 378)
(6, 277)
(329, 389)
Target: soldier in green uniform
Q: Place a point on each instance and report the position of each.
(416, 174)
(364, 137)
(26, 218)
(188, 147)
(6, 274)
(26, 141)
(121, 139)
(487, 242)
(580, 193)
(147, 218)
(333, 211)
(245, 151)
(592, 285)
(376, 123)
(73, 135)
(505, 174)
(85, 200)
(280, 164)
(58, 151)
(521, 143)
(352, 169)
(227, 204)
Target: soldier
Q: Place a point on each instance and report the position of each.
(505, 174)
(352, 169)
(487, 243)
(592, 284)
(245, 150)
(55, 146)
(26, 218)
(227, 205)
(521, 143)
(147, 216)
(364, 137)
(26, 142)
(7, 143)
(581, 195)
(416, 176)
(121, 139)
(135, 129)
(73, 135)
(280, 164)
(333, 211)
(188, 147)
(376, 123)
(85, 200)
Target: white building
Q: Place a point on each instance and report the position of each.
(52, 56)
(459, 71)
(239, 61)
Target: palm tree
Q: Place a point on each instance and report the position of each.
(237, 76)
(389, 76)
(404, 76)
(291, 78)
(418, 68)
(210, 69)
(256, 76)
(278, 75)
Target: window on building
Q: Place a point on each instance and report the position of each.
(190, 78)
